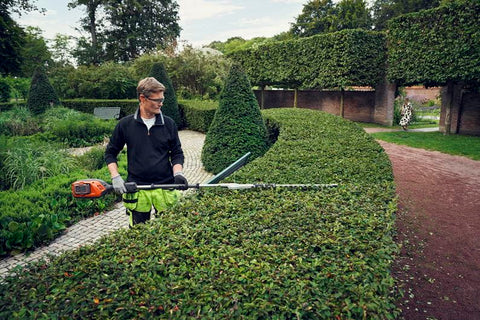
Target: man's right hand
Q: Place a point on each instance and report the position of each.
(119, 185)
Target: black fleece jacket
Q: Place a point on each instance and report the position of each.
(151, 154)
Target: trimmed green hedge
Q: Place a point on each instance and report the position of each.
(127, 106)
(37, 214)
(41, 95)
(258, 254)
(340, 59)
(237, 127)
(435, 46)
(5, 106)
(197, 115)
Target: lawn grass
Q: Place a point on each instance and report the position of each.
(422, 123)
(468, 146)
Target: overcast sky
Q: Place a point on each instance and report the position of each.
(202, 21)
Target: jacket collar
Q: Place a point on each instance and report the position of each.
(159, 120)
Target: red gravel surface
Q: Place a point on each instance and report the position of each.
(438, 225)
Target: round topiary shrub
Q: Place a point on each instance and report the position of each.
(170, 105)
(237, 127)
(41, 95)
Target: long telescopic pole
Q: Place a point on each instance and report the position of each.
(231, 186)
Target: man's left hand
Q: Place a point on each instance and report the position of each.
(180, 179)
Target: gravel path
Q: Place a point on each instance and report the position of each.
(438, 225)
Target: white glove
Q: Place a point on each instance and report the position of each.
(119, 185)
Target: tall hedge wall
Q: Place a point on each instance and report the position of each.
(258, 254)
(437, 45)
(340, 59)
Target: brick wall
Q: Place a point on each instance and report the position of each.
(465, 112)
(421, 94)
(358, 105)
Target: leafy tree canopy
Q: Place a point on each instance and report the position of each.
(12, 35)
(34, 51)
(128, 29)
(237, 43)
(384, 10)
(317, 17)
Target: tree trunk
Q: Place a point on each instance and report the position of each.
(342, 103)
(295, 98)
(448, 109)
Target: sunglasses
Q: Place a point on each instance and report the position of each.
(155, 100)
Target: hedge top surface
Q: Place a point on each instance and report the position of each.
(436, 46)
(339, 59)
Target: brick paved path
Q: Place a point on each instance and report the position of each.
(90, 230)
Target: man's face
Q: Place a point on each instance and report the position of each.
(151, 105)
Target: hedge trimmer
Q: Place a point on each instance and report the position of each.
(95, 188)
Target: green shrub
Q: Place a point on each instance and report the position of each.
(259, 254)
(127, 106)
(5, 106)
(5, 91)
(108, 81)
(18, 121)
(198, 114)
(92, 160)
(82, 133)
(19, 87)
(76, 129)
(237, 127)
(41, 95)
(26, 162)
(37, 214)
(170, 105)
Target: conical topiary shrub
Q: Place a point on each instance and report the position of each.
(237, 127)
(170, 105)
(41, 95)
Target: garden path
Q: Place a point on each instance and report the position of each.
(438, 225)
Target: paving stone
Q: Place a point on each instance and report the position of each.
(88, 231)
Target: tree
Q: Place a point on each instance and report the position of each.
(12, 38)
(384, 10)
(60, 49)
(11, 34)
(41, 95)
(352, 14)
(5, 91)
(139, 26)
(34, 52)
(93, 51)
(196, 73)
(170, 105)
(317, 17)
(323, 16)
(237, 127)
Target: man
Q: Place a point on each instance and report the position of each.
(154, 154)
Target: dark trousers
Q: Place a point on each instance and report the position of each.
(137, 217)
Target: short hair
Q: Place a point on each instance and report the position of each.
(148, 86)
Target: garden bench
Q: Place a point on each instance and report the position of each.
(107, 112)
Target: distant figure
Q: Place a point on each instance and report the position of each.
(406, 113)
